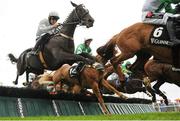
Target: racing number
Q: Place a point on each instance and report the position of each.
(158, 32)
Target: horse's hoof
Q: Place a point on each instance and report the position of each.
(14, 82)
(149, 94)
(25, 84)
(106, 113)
(124, 97)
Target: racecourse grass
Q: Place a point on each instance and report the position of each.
(144, 116)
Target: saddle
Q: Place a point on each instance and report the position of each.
(75, 70)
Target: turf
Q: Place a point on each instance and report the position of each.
(145, 116)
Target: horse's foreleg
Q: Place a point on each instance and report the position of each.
(156, 88)
(97, 92)
(111, 88)
(76, 89)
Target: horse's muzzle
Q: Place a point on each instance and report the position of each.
(89, 23)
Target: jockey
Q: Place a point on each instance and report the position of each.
(46, 28)
(84, 49)
(152, 13)
(125, 68)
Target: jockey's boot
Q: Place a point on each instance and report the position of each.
(77, 69)
(175, 44)
(175, 55)
(171, 31)
(39, 43)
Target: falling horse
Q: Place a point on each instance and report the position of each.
(90, 77)
(132, 85)
(59, 49)
(161, 72)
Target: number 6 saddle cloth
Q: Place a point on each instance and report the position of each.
(160, 36)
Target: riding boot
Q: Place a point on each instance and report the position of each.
(77, 69)
(171, 31)
(175, 44)
(175, 54)
(39, 42)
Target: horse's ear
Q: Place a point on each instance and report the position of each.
(73, 4)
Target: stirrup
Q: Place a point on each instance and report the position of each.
(175, 69)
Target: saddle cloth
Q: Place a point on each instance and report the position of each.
(160, 36)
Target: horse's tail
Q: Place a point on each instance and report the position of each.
(12, 58)
(107, 51)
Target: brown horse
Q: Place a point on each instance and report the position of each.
(89, 77)
(161, 72)
(131, 41)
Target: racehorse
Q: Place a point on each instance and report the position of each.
(59, 49)
(132, 86)
(135, 40)
(161, 72)
(90, 77)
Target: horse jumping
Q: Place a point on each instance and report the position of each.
(131, 41)
(59, 49)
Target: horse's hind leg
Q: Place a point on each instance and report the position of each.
(111, 88)
(27, 79)
(16, 81)
(97, 92)
(156, 88)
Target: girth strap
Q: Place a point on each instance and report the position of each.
(65, 36)
(42, 59)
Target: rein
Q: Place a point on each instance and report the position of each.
(80, 21)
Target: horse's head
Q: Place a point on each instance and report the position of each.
(82, 15)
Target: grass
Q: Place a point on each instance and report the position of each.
(145, 116)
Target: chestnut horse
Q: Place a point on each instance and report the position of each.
(161, 72)
(89, 77)
(131, 41)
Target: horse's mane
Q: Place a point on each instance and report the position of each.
(65, 21)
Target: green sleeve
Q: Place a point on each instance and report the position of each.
(170, 1)
(166, 4)
(79, 49)
(169, 9)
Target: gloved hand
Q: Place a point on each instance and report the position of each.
(149, 14)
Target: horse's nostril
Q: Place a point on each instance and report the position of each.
(91, 20)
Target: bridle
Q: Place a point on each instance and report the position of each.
(79, 18)
(79, 21)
